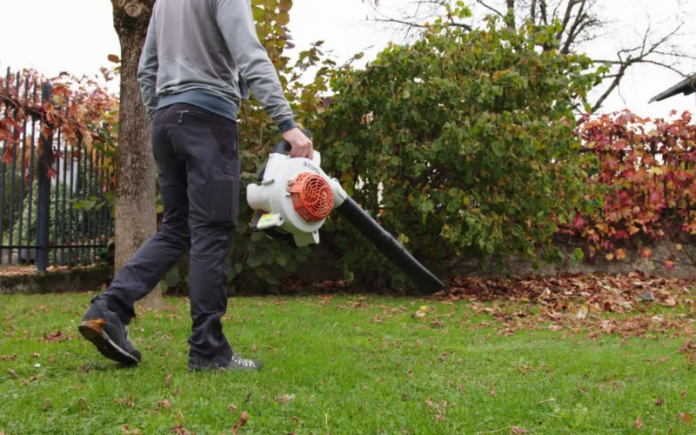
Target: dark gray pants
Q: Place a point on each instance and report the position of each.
(197, 158)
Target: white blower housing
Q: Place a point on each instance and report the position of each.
(294, 198)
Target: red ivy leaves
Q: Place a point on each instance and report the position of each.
(79, 107)
(647, 172)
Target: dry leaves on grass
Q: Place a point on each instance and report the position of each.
(686, 417)
(162, 404)
(126, 401)
(242, 421)
(55, 337)
(179, 429)
(8, 358)
(689, 351)
(516, 430)
(639, 422)
(600, 292)
(574, 301)
(440, 408)
(285, 398)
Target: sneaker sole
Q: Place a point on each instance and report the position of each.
(93, 331)
(226, 369)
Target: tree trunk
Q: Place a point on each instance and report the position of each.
(136, 212)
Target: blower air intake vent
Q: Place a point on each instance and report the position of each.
(311, 196)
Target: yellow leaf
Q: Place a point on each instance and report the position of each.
(610, 256)
(620, 254)
(582, 312)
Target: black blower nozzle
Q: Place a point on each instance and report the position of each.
(385, 243)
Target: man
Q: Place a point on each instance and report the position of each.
(198, 57)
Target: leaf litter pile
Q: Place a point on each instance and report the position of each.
(578, 302)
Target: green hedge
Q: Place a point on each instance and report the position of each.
(461, 144)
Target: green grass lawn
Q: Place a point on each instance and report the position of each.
(348, 365)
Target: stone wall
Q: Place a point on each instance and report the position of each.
(72, 280)
(323, 266)
(663, 250)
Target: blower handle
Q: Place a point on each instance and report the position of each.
(284, 146)
(281, 147)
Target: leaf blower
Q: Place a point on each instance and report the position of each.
(293, 198)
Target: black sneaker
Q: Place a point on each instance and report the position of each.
(236, 364)
(108, 333)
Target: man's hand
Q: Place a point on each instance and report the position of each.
(302, 146)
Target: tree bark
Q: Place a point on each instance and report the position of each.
(136, 208)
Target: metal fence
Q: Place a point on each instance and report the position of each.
(44, 186)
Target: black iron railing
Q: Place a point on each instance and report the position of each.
(53, 195)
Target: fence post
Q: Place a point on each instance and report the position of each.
(44, 206)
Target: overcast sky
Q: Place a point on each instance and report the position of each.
(77, 36)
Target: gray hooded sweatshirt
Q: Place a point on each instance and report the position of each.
(204, 53)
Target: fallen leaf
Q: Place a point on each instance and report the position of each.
(242, 421)
(8, 358)
(639, 423)
(126, 401)
(419, 314)
(56, 336)
(285, 398)
(670, 302)
(515, 430)
(164, 404)
(659, 402)
(36, 355)
(181, 430)
(686, 417)
(168, 379)
(13, 374)
(232, 409)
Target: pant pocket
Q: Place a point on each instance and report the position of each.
(223, 193)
